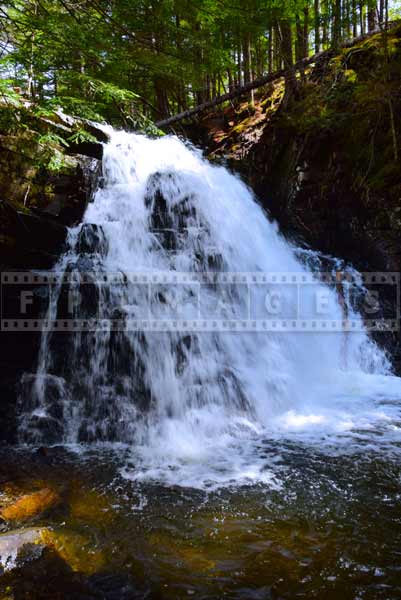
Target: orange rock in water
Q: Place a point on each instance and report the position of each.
(30, 505)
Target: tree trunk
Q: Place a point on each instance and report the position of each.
(246, 51)
(325, 38)
(262, 81)
(381, 11)
(299, 40)
(346, 18)
(199, 92)
(305, 48)
(161, 98)
(285, 33)
(270, 66)
(277, 50)
(362, 17)
(207, 88)
(181, 92)
(248, 63)
(354, 19)
(257, 66)
(31, 69)
(183, 96)
(317, 26)
(239, 65)
(372, 18)
(30, 85)
(231, 83)
(337, 24)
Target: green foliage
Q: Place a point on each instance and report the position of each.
(8, 95)
(51, 138)
(350, 75)
(106, 92)
(10, 102)
(81, 136)
(56, 162)
(130, 62)
(76, 107)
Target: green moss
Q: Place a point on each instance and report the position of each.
(57, 162)
(242, 126)
(350, 75)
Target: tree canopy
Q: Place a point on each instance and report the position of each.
(122, 59)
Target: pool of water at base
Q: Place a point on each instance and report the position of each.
(329, 526)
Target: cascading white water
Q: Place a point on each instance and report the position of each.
(185, 399)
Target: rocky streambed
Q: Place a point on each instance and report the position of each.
(77, 526)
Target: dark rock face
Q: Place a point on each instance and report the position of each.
(36, 206)
(310, 188)
(35, 176)
(72, 190)
(91, 240)
(326, 166)
(36, 243)
(33, 240)
(307, 185)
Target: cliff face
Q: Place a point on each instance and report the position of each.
(47, 172)
(46, 167)
(327, 165)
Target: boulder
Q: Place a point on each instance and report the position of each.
(13, 542)
(31, 505)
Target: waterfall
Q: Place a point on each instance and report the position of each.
(164, 229)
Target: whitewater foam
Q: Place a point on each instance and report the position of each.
(193, 405)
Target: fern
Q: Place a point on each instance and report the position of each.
(82, 136)
(51, 138)
(8, 95)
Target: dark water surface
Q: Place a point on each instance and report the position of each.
(330, 529)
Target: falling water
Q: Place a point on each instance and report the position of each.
(191, 403)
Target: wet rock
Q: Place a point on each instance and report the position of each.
(31, 505)
(89, 506)
(12, 543)
(78, 551)
(68, 192)
(91, 240)
(3, 525)
(171, 206)
(42, 192)
(42, 574)
(31, 241)
(114, 586)
(49, 453)
(46, 576)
